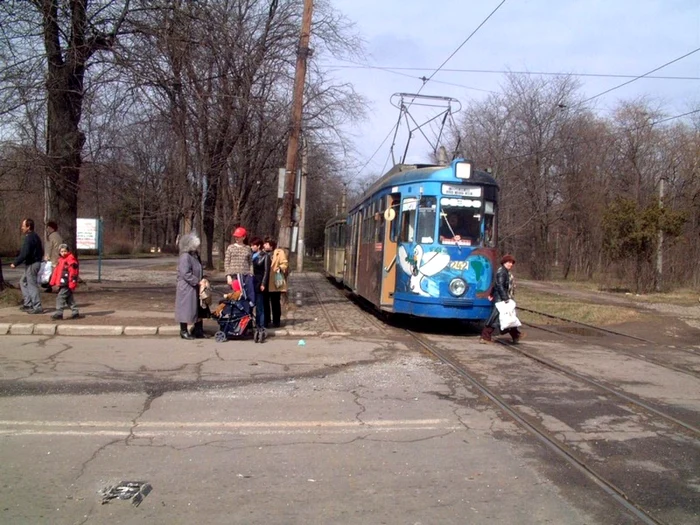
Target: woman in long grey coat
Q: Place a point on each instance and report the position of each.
(189, 277)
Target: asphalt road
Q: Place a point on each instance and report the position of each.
(334, 431)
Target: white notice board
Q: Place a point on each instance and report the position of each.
(87, 233)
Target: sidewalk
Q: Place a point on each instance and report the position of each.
(134, 307)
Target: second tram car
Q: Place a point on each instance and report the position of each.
(421, 242)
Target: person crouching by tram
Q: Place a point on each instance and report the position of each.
(503, 290)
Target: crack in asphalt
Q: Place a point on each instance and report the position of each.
(132, 382)
(362, 408)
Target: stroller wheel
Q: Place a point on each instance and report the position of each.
(220, 337)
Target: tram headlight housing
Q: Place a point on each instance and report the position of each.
(457, 287)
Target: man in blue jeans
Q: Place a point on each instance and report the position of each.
(261, 275)
(31, 254)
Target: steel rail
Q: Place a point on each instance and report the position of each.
(592, 327)
(542, 435)
(646, 359)
(331, 322)
(597, 384)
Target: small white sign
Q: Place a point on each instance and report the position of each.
(87, 233)
(464, 191)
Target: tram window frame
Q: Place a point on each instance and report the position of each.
(378, 222)
(490, 240)
(396, 223)
(469, 231)
(408, 219)
(427, 215)
(365, 225)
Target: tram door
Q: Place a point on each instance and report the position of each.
(389, 263)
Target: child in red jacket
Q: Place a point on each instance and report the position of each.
(65, 276)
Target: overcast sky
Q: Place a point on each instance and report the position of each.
(619, 37)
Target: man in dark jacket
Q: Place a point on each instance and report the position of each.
(31, 254)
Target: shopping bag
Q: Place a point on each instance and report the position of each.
(506, 315)
(45, 272)
(279, 279)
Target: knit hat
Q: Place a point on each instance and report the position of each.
(63, 246)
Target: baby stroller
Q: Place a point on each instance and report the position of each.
(235, 312)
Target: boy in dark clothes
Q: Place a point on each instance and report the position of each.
(65, 276)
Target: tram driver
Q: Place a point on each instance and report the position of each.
(453, 227)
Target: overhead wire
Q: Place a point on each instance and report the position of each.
(639, 77)
(397, 71)
(428, 79)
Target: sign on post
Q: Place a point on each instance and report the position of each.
(88, 237)
(87, 234)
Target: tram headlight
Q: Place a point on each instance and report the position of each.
(457, 287)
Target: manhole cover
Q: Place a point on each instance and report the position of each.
(135, 491)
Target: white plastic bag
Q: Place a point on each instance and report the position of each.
(45, 272)
(506, 315)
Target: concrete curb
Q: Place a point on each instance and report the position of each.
(51, 329)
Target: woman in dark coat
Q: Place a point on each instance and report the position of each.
(189, 277)
(503, 290)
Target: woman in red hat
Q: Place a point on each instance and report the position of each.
(503, 290)
(239, 256)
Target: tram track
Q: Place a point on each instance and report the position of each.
(606, 332)
(551, 439)
(347, 295)
(324, 308)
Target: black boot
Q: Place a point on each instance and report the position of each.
(183, 331)
(198, 330)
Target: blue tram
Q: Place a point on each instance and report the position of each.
(422, 242)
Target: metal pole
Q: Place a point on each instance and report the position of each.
(302, 208)
(285, 236)
(99, 250)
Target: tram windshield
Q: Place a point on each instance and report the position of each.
(467, 222)
(418, 220)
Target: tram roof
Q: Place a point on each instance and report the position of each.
(408, 173)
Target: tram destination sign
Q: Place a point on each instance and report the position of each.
(462, 191)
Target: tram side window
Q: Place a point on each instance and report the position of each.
(395, 224)
(489, 225)
(408, 219)
(426, 219)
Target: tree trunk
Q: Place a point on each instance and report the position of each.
(209, 214)
(63, 151)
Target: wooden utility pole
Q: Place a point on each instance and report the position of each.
(285, 236)
(302, 207)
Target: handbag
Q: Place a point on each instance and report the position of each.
(45, 272)
(506, 315)
(203, 312)
(279, 279)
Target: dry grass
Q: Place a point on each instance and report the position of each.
(683, 297)
(572, 309)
